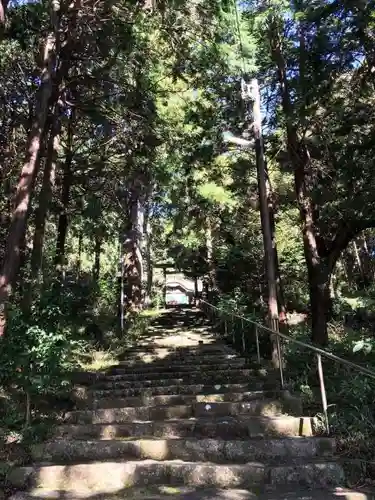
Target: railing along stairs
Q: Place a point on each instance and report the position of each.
(243, 340)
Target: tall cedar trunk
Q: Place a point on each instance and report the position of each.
(44, 201)
(26, 182)
(133, 263)
(148, 253)
(300, 159)
(320, 303)
(210, 257)
(62, 226)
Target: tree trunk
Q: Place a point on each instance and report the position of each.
(26, 183)
(320, 303)
(45, 197)
(133, 262)
(300, 159)
(62, 226)
(148, 254)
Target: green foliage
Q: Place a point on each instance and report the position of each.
(33, 357)
(141, 111)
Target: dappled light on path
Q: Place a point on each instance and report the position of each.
(183, 411)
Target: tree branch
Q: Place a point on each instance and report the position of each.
(344, 235)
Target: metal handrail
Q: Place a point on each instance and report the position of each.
(317, 350)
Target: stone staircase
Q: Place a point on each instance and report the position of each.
(192, 422)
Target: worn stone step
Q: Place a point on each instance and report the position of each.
(176, 367)
(255, 385)
(111, 477)
(217, 451)
(240, 427)
(266, 407)
(163, 492)
(194, 372)
(162, 360)
(214, 379)
(199, 349)
(180, 399)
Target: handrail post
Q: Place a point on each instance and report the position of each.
(323, 390)
(281, 368)
(257, 342)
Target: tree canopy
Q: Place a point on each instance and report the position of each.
(113, 154)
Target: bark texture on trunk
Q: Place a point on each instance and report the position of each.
(300, 159)
(321, 253)
(279, 286)
(320, 304)
(44, 201)
(132, 254)
(26, 182)
(148, 254)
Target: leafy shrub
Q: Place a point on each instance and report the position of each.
(34, 359)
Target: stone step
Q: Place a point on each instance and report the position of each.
(176, 367)
(193, 349)
(216, 451)
(101, 478)
(240, 427)
(194, 372)
(163, 492)
(206, 359)
(266, 407)
(179, 399)
(214, 379)
(177, 390)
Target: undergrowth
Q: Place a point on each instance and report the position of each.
(40, 353)
(350, 395)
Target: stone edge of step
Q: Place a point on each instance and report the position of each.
(217, 451)
(283, 426)
(186, 493)
(319, 472)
